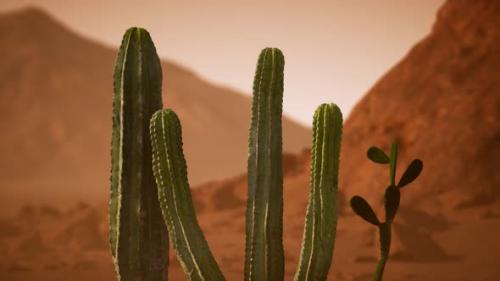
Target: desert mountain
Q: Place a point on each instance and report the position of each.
(55, 99)
(442, 104)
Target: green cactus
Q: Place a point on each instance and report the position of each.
(146, 148)
(391, 201)
(170, 171)
(321, 218)
(264, 257)
(138, 236)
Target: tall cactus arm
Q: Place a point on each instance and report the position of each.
(169, 168)
(137, 233)
(264, 256)
(321, 217)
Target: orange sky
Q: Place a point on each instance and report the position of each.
(335, 50)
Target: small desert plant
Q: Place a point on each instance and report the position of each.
(391, 200)
(146, 148)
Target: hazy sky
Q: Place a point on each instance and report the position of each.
(334, 50)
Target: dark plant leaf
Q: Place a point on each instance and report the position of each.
(363, 209)
(411, 173)
(392, 197)
(377, 155)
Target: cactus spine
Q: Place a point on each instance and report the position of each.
(321, 217)
(264, 256)
(391, 201)
(169, 168)
(137, 233)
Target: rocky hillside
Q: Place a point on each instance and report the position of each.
(442, 104)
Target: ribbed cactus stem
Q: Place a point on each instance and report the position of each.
(138, 235)
(321, 217)
(264, 256)
(169, 166)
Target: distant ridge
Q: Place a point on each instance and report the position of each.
(55, 99)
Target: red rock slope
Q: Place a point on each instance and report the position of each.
(442, 103)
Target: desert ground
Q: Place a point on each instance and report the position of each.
(46, 243)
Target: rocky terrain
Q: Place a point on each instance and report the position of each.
(441, 103)
(46, 243)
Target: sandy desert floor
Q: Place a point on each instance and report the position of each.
(44, 243)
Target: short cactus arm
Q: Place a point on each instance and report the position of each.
(174, 194)
(321, 218)
(138, 236)
(264, 257)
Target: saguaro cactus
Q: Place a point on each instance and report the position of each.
(264, 257)
(391, 201)
(169, 166)
(321, 217)
(138, 236)
(264, 246)
(146, 148)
